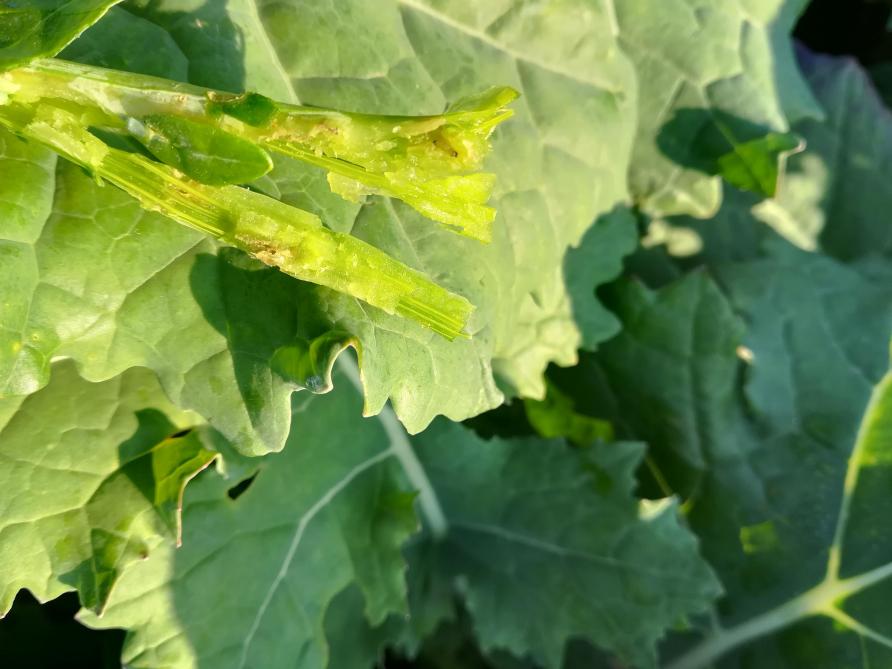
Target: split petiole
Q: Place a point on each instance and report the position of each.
(279, 235)
(429, 162)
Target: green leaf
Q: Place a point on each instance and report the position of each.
(542, 159)
(164, 59)
(533, 521)
(112, 286)
(556, 416)
(309, 364)
(92, 482)
(328, 512)
(709, 68)
(290, 239)
(756, 165)
(32, 29)
(833, 193)
(683, 339)
(205, 153)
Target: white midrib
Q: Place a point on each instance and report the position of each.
(302, 525)
(401, 449)
(823, 599)
(820, 600)
(435, 518)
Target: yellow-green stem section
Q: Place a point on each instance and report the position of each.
(285, 237)
(429, 162)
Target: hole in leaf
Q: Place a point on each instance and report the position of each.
(239, 488)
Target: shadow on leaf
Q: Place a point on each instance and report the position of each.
(745, 154)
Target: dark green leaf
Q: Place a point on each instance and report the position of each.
(560, 527)
(673, 370)
(546, 543)
(251, 108)
(785, 477)
(203, 152)
(836, 193)
(32, 29)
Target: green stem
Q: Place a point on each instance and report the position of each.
(290, 239)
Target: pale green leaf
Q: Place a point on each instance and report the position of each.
(92, 481)
(112, 286)
(572, 124)
(707, 69)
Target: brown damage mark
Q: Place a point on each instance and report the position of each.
(267, 252)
